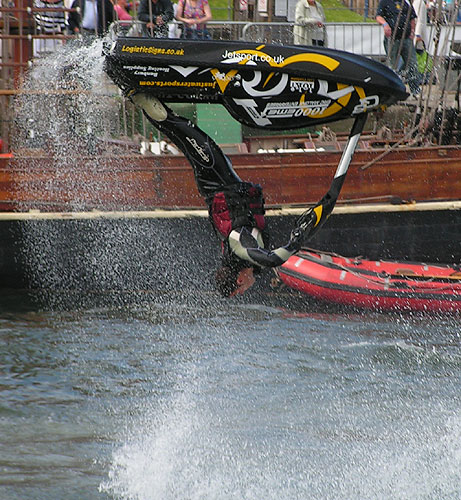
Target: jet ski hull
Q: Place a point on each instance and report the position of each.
(265, 86)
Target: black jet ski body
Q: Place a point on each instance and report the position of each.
(261, 85)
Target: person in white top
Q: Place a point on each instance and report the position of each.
(421, 28)
(91, 17)
(309, 23)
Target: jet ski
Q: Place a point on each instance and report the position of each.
(261, 85)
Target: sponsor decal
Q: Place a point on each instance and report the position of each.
(251, 108)
(175, 83)
(254, 56)
(309, 109)
(366, 104)
(142, 49)
(301, 85)
(146, 68)
(146, 73)
(295, 109)
(200, 151)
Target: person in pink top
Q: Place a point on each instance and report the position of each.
(120, 8)
(194, 14)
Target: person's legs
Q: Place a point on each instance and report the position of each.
(392, 48)
(212, 168)
(188, 32)
(411, 65)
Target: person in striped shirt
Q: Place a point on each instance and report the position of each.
(51, 21)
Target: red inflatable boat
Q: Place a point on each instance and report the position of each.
(382, 285)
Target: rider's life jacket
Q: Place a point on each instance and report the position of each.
(235, 206)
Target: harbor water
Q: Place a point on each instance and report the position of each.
(226, 400)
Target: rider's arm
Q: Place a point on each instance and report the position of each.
(246, 243)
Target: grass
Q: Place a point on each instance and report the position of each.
(335, 11)
(221, 9)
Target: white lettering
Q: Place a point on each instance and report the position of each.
(296, 109)
(302, 85)
(198, 148)
(366, 104)
(237, 56)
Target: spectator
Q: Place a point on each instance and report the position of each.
(421, 28)
(156, 14)
(49, 22)
(425, 62)
(309, 23)
(398, 19)
(194, 14)
(120, 8)
(93, 19)
(175, 29)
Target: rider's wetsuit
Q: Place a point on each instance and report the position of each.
(213, 171)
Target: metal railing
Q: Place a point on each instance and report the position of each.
(359, 38)
(17, 44)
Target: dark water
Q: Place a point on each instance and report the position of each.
(149, 400)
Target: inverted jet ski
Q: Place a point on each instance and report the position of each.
(265, 86)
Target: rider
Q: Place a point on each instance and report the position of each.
(236, 208)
